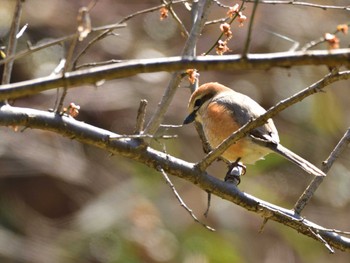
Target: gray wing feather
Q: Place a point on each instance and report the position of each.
(244, 109)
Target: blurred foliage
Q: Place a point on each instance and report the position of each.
(61, 201)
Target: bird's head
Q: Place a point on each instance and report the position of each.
(202, 97)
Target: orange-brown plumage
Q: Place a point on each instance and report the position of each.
(222, 111)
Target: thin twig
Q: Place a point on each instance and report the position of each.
(95, 64)
(322, 240)
(299, 3)
(182, 203)
(206, 213)
(89, 45)
(326, 166)
(12, 42)
(262, 227)
(216, 21)
(176, 18)
(321, 40)
(140, 119)
(122, 21)
(167, 126)
(142, 136)
(295, 43)
(41, 46)
(282, 105)
(250, 30)
(67, 67)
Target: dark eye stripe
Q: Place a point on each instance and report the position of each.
(200, 101)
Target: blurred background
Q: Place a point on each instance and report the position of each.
(61, 201)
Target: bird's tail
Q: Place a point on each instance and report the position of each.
(301, 162)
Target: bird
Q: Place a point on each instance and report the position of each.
(222, 111)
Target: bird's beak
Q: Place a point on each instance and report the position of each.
(190, 118)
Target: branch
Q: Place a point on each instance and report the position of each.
(182, 203)
(299, 3)
(133, 67)
(250, 29)
(326, 166)
(135, 150)
(12, 43)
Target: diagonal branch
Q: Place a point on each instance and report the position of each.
(133, 67)
(12, 43)
(326, 166)
(135, 150)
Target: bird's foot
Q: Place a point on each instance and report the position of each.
(235, 171)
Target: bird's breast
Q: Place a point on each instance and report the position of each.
(218, 124)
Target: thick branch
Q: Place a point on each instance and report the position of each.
(133, 149)
(133, 67)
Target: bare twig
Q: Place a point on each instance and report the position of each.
(326, 166)
(176, 18)
(167, 126)
(316, 42)
(101, 63)
(216, 21)
(295, 43)
(140, 119)
(322, 240)
(38, 47)
(12, 42)
(130, 148)
(67, 67)
(182, 203)
(142, 136)
(107, 32)
(250, 30)
(206, 213)
(282, 105)
(262, 227)
(148, 10)
(299, 3)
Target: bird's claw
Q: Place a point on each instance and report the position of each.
(234, 173)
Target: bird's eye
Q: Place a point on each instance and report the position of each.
(197, 103)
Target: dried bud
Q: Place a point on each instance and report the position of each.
(241, 19)
(343, 28)
(233, 10)
(73, 110)
(333, 41)
(226, 29)
(163, 13)
(221, 47)
(192, 75)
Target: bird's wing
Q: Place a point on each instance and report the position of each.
(243, 109)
